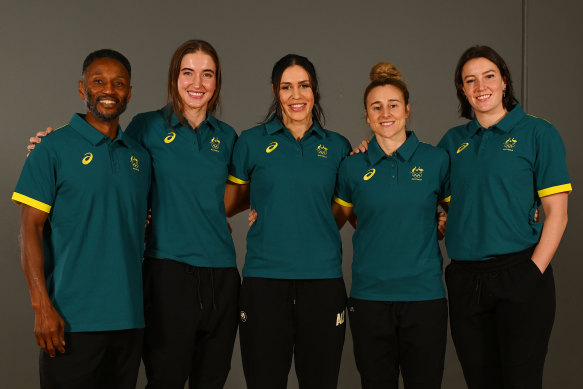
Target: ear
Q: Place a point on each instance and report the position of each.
(81, 89)
(273, 89)
(130, 94)
(407, 111)
(366, 116)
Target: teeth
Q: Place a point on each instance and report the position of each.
(196, 94)
(107, 101)
(386, 124)
(483, 97)
(297, 105)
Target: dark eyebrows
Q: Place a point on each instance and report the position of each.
(380, 101)
(486, 72)
(204, 71)
(100, 74)
(299, 82)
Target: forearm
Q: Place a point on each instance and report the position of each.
(49, 327)
(237, 198)
(32, 259)
(341, 214)
(553, 229)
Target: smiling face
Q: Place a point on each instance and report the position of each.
(196, 80)
(106, 89)
(386, 112)
(483, 86)
(296, 96)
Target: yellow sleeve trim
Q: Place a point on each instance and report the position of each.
(342, 202)
(555, 189)
(446, 200)
(236, 180)
(22, 199)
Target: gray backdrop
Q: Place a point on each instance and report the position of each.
(43, 44)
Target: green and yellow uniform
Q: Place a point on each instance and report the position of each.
(95, 191)
(292, 186)
(396, 253)
(498, 176)
(189, 171)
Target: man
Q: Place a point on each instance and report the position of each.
(83, 196)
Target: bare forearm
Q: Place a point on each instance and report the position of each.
(237, 198)
(32, 259)
(553, 229)
(49, 327)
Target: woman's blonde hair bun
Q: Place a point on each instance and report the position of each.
(384, 71)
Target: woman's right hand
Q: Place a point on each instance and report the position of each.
(361, 148)
(252, 217)
(37, 139)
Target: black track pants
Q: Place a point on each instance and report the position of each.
(501, 313)
(399, 336)
(284, 318)
(94, 360)
(191, 322)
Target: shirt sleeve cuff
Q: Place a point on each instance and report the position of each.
(22, 199)
(555, 189)
(342, 202)
(236, 180)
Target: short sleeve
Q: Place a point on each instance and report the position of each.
(36, 186)
(343, 191)
(240, 161)
(550, 168)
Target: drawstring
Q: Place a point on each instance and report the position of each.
(198, 287)
(294, 291)
(478, 288)
(213, 288)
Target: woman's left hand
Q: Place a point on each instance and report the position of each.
(441, 222)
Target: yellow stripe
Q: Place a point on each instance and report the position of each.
(236, 180)
(446, 200)
(22, 199)
(555, 189)
(342, 202)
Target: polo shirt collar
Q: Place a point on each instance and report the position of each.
(91, 133)
(511, 119)
(174, 122)
(274, 125)
(507, 123)
(405, 152)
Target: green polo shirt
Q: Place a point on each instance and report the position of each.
(95, 191)
(498, 176)
(292, 185)
(396, 252)
(189, 171)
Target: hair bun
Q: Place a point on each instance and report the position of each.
(383, 71)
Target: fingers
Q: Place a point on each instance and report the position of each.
(49, 332)
(252, 217)
(361, 148)
(33, 140)
(441, 225)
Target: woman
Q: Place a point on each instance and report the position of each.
(292, 296)
(191, 282)
(504, 164)
(397, 306)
